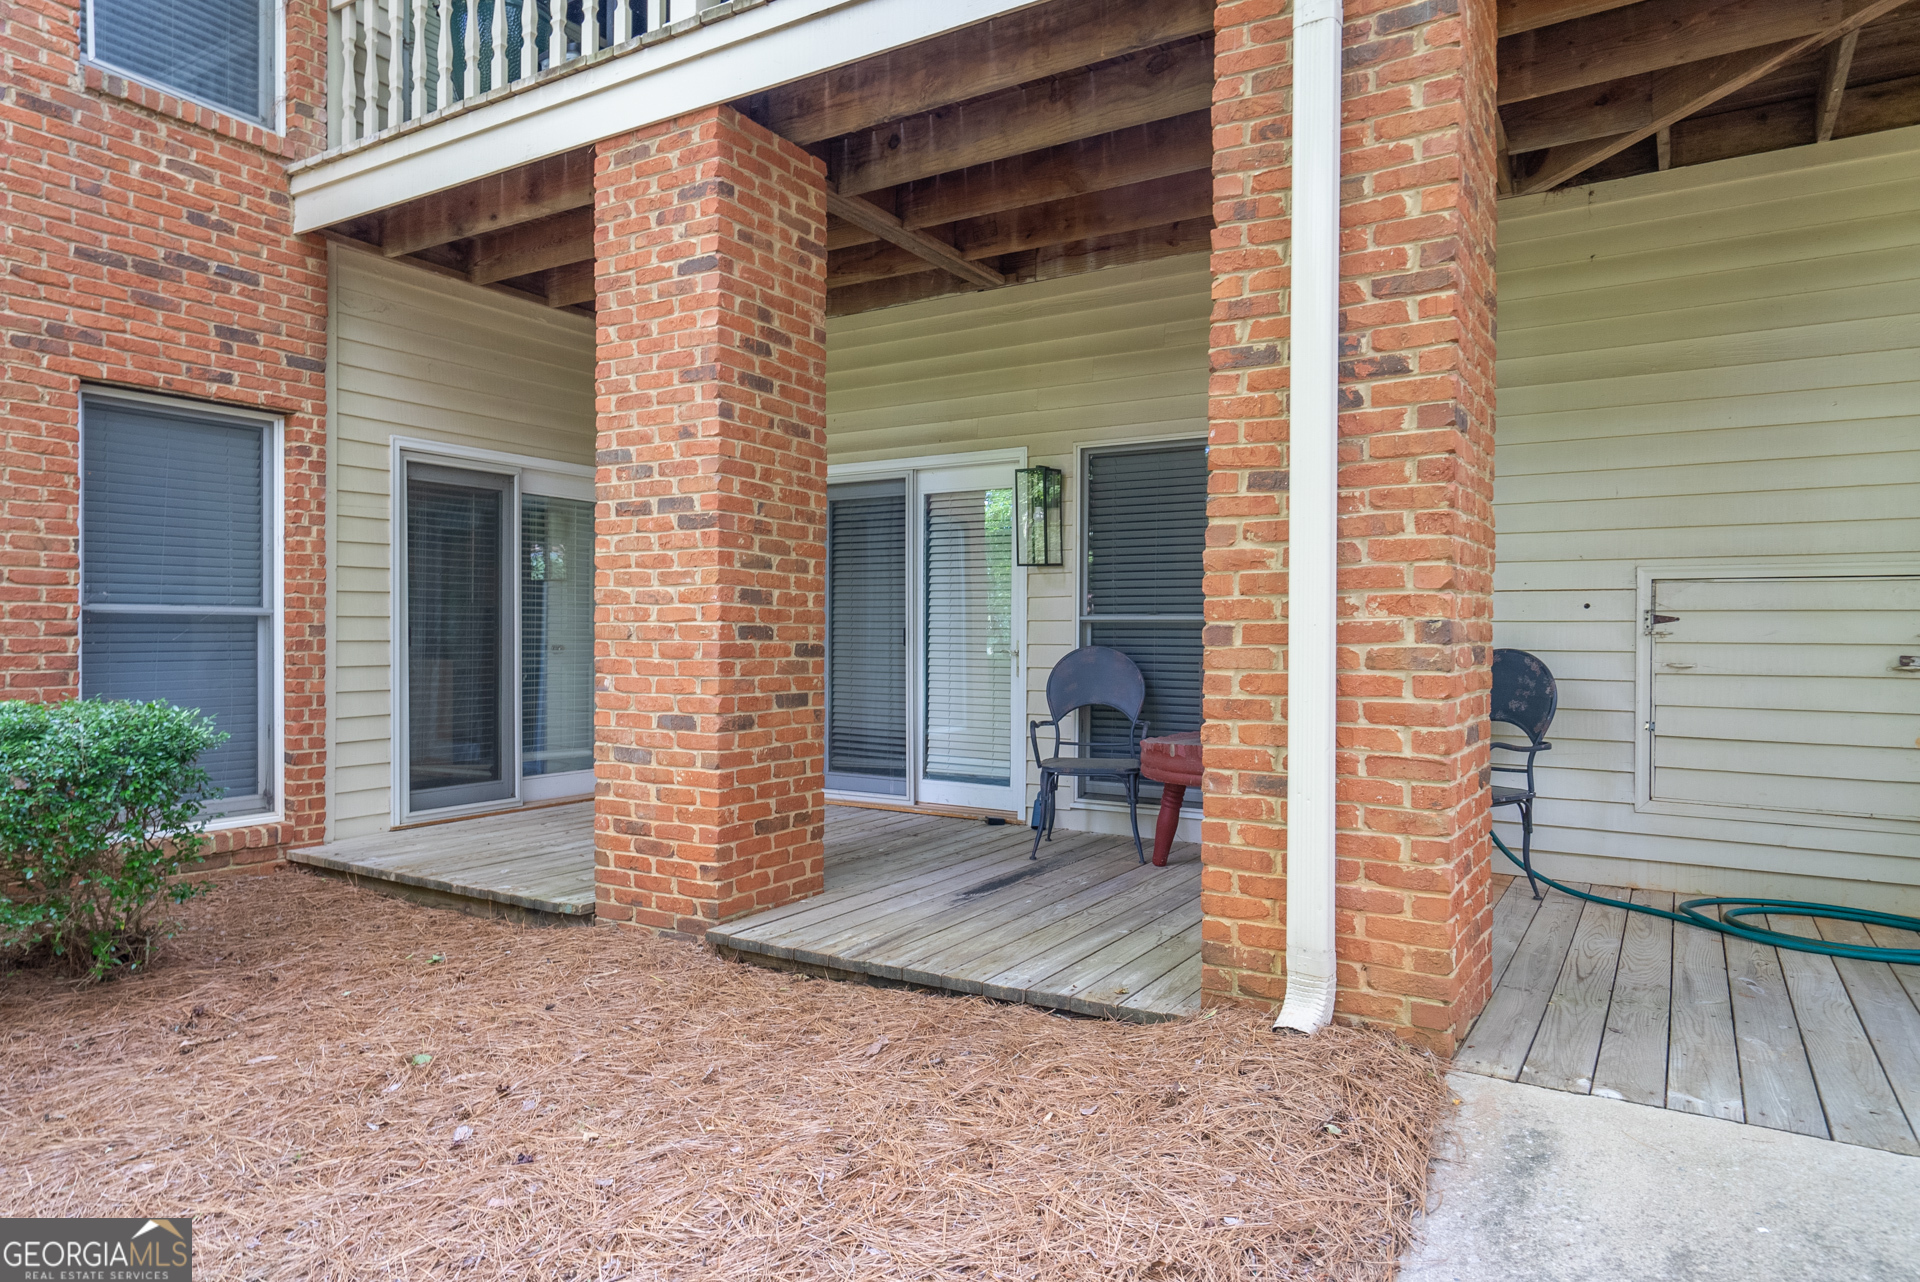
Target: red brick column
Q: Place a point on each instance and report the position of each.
(711, 261)
(1416, 551)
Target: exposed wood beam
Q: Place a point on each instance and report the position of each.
(1014, 49)
(1516, 16)
(1159, 202)
(424, 264)
(1158, 149)
(1066, 108)
(1891, 104)
(1595, 111)
(1663, 147)
(1654, 36)
(1682, 91)
(491, 204)
(918, 243)
(1833, 84)
(1050, 263)
(570, 285)
(552, 241)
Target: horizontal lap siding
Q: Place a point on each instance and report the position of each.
(422, 356)
(1720, 362)
(1114, 355)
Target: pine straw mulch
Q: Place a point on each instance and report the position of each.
(601, 1104)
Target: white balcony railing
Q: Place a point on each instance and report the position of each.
(391, 62)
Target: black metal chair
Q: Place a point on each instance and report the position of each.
(1092, 676)
(1525, 696)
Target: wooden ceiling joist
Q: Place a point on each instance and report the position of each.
(1891, 104)
(1833, 85)
(491, 204)
(569, 285)
(1655, 35)
(552, 241)
(1159, 149)
(1049, 263)
(1681, 91)
(1114, 95)
(1158, 202)
(918, 244)
(1015, 49)
(1515, 16)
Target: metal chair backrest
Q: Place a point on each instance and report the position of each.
(1525, 694)
(1096, 674)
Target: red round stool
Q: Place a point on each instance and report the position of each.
(1173, 762)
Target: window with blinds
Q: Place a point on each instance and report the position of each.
(175, 602)
(867, 637)
(556, 635)
(214, 51)
(457, 634)
(1145, 515)
(969, 636)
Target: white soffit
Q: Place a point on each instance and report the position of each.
(773, 44)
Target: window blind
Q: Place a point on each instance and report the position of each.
(456, 553)
(969, 617)
(217, 51)
(556, 635)
(866, 637)
(1146, 522)
(173, 576)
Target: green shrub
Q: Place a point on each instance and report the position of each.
(100, 804)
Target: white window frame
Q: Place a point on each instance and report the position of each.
(275, 118)
(1079, 798)
(1645, 576)
(273, 693)
(531, 475)
(910, 470)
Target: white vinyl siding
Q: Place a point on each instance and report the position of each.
(421, 356)
(1711, 367)
(1109, 357)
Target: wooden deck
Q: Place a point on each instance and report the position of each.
(955, 904)
(914, 898)
(538, 860)
(1597, 1000)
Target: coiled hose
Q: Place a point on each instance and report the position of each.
(1690, 914)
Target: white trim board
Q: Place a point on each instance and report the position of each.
(771, 44)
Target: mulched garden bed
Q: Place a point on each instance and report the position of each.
(334, 1084)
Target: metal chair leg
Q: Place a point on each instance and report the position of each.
(1133, 814)
(1044, 828)
(1526, 845)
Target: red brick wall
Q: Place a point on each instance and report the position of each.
(147, 244)
(711, 264)
(1416, 550)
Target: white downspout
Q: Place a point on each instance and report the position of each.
(1312, 502)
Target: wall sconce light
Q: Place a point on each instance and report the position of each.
(1038, 522)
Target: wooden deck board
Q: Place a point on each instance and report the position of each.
(1776, 1081)
(1498, 1044)
(1703, 1058)
(1887, 1010)
(1567, 1045)
(1633, 1054)
(952, 903)
(1860, 1104)
(539, 859)
(1512, 914)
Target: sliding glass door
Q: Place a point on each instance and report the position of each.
(923, 617)
(458, 558)
(495, 605)
(867, 637)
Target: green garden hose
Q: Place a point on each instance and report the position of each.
(1691, 914)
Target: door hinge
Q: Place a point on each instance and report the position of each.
(1655, 620)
